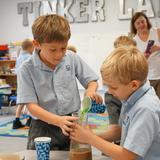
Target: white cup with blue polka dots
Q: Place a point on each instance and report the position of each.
(42, 145)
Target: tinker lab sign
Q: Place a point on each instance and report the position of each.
(80, 11)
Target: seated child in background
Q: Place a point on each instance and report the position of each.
(124, 72)
(47, 82)
(112, 103)
(27, 50)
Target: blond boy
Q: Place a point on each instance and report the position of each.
(125, 74)
(124, 41)
(72, 48)
(27, 50)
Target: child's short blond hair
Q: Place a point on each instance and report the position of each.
(124, 41)
(72, 48)
(49, 28)
(26, 44)
(125, 64)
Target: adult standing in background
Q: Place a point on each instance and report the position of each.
(142, 28)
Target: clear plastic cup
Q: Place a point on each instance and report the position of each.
(80, 151)
(42, 145)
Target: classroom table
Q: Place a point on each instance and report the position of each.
(61, 155)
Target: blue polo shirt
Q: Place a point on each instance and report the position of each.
(140, 121)
(21, 58)
(54, 90)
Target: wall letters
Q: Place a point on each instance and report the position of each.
(80, 11)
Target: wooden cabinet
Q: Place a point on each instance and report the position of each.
(7, 73)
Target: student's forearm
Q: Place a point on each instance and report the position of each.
(112, 134)
(105, 146)
(44, 115)
(92, 86)
(116, 152)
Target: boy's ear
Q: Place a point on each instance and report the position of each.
(135, 84)
(36, 44)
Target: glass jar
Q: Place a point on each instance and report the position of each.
(80, 151)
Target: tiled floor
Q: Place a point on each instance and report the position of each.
(11, 144)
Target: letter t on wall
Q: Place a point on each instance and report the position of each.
(24, 8)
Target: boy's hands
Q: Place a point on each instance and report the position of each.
(66, 123)
(81, 134)
(91, 92)
(93, 95)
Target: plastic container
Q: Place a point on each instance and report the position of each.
(80, 151)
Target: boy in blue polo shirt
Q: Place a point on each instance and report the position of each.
(47, 82)
(27, 50)
(125, 73)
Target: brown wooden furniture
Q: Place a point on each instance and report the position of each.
(6, 72)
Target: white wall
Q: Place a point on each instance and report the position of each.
(93, 40)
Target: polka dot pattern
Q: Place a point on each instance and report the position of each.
(97, 108)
